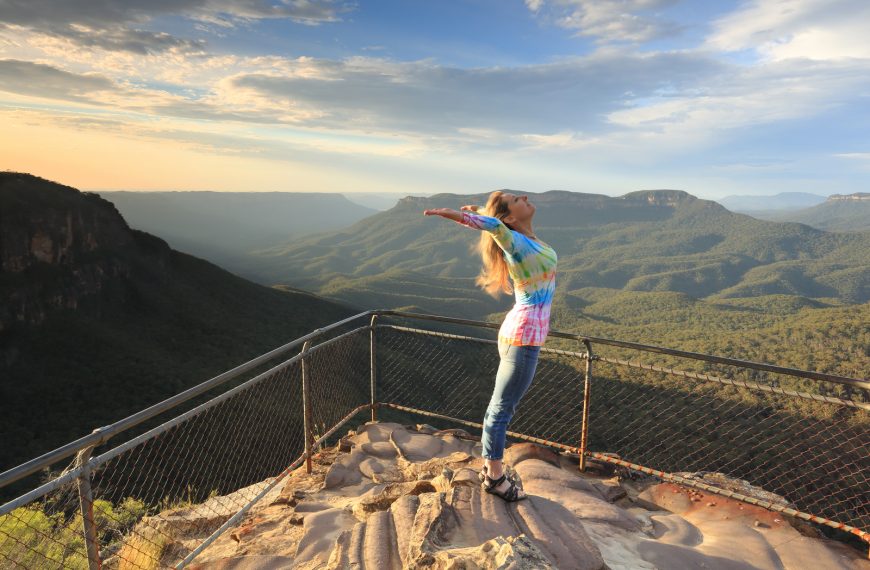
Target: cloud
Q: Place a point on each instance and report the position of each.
(783, 29)
(125, 40)
(565, 140)
(634, 21)
(421, 97)
(613, 100)
(101, 12)
(610, 101)
(748, 97)
(115, 25)
(227, 139)
(35, 79)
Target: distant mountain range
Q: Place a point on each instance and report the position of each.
(99, 320)
(836, 213)
(224, 227)
(777, 202)
(839, 213)
(643, 241)
(377, 200)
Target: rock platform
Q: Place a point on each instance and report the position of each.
(390, 497)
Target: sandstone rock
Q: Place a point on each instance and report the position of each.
(500, 553)
(519, 452)
(435, 515)
(736, 486)
(384, 499)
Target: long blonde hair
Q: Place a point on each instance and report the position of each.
(494, 277)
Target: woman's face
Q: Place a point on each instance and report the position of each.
(519, 206)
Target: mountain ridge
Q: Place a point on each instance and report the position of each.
(225, 226)
(749, 204)
(104, 320)
(644, 241)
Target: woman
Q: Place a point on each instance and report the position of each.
(511, 252)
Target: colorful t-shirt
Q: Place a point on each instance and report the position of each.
(532, 268)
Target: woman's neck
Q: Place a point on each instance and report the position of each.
(525, 228)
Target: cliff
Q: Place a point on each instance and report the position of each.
(99, 320)
(63, 249)
(849, 197)
(391, 496)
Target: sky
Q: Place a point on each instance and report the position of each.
(712, 97)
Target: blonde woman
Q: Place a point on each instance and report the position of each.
(514, 261)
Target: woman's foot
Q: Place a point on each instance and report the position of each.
(505, 487)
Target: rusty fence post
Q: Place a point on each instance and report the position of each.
(86, 505)
(306, 405)
(587, 388)
(374, 370)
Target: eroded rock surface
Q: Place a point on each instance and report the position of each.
(393, 497)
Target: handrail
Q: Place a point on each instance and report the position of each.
(103, 434)
(857, 382)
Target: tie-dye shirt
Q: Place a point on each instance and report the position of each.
(532, 268)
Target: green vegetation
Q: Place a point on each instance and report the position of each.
(692, 246)
(833, 216)
(39, 535)
(659, 267)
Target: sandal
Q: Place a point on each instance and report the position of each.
(511, 494)
(482, 475)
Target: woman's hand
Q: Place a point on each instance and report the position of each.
(444, 213)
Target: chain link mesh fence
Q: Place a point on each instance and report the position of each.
(811, 450)
(804, 440)
(159, 496)
(454, 376)
(340, 380)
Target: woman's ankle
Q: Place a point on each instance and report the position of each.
(494, 469)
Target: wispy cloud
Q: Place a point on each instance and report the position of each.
(784, 29)
(48, 13)
(607, 21)
(118, 25)
(423, 97)
(36, 79)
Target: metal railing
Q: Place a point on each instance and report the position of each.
(207, 455)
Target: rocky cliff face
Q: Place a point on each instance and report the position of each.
(60, 248)
(849, 197)
(670, 198)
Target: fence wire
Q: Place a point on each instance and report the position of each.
(814, 454)
(805, 441)
(159, 496)
(455, 377)
(340, 381)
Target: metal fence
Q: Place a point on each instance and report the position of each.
(165, 493)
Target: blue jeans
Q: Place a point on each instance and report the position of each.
(514, 376)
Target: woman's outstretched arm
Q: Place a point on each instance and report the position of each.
(469, 217)
(448, 213)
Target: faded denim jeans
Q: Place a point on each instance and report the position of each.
(514, 376)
